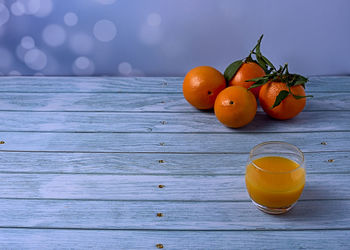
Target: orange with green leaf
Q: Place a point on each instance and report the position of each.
(238, 72)
(282, 95)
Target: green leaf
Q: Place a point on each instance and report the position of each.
(290, 83)
(300, 80)
(267, 61)
(271, 76)
(269, 71)
(301, 96)
(231, 70)
(259, 83)
(285, 67)
(280, 69)
(257, 47)
(298, 96)
(262, 80)
(256, 79)
(261, 62)
(281, 96)
(295, 79)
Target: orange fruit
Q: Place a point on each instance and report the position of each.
(289, 107)
(247, 71)
(202, 85)
(235, 106)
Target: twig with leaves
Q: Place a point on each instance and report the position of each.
(260, 59)
(281, 75)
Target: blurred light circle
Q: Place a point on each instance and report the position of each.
(45, 8)
(32, 6)
(82, 62)
(35, 59)
(124, 68)
(70, 19)
(20, 52)
(150, 35)
(18, 9)
(106, 1)
(27, 42)
(14, 73)
(5, 58)
(83, 66)
(4, 14)
(21, 7)
(105, 30)
(54, 35)
(81, 43)
(154, 19)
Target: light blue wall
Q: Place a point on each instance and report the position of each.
(169, 37)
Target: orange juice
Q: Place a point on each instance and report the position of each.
(274, 181)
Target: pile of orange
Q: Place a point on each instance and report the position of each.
(204, 87)
(234, 98)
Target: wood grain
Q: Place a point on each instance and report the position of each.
(136, 84)
(177, 240)
(154, 163)
(91, 84)
(140, 187)
(84, 157)
(132, 102)
(306, 215)
(152, 142)
(166, 122)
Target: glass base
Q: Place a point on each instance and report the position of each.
(273, 210)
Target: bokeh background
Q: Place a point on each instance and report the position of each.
(169, 37)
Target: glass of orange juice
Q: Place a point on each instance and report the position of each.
(275, 176)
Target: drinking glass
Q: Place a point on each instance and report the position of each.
(275, 176)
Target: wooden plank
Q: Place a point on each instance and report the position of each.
(97, 239)
(140, 187)
(306, 215)
(136, 84)
(329, 84)
(91, 84)
(174, 142)
(132, 102)
(155, 163)
(165, 122)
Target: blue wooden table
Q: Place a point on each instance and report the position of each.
(127, 163)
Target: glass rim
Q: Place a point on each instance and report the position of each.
(301, 165)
